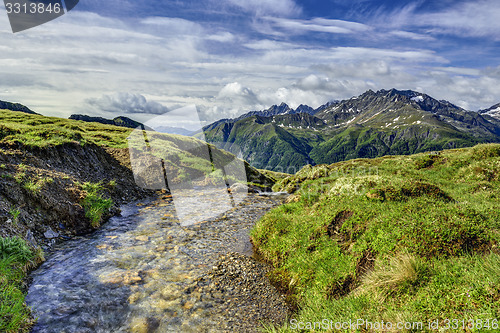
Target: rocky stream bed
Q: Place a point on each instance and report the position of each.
(144, 271)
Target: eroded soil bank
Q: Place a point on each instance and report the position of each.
(41, 193)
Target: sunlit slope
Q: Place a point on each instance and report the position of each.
(397, 238)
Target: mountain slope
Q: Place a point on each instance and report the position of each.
(493, 111)
(261, 142)
(118, 121)
(389, 238)
(281, 109)
(15, 107)
(373, 124)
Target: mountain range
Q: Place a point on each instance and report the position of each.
(386, 122)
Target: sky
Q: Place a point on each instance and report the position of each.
(144, 58)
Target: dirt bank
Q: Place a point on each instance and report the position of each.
(41, 194)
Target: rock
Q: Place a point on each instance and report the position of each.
(292, 198)
(31, 239)
(134, 297)
(170, 292)
(188, 305)
(142, 238)
(132, 278)
(278, 195)
(254, 189)
(139, 325)
(238, 188)
(241, 294)
(49, 234)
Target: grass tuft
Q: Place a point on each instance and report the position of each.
(94, 204)
(393, 275)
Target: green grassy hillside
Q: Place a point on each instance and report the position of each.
(394, 239)
(264, 144)
(40, 131)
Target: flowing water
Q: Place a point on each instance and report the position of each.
(131, 275)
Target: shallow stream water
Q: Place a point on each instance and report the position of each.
(131, 275)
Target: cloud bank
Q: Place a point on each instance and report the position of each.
(232, 56)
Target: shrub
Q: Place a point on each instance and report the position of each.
(33, 187)
(426, 161)
(407, 191)
(94, 204)
(448, 232)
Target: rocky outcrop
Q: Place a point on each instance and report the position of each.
(118, 121)
(15, 107)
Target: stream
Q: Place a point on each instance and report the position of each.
(131, 275)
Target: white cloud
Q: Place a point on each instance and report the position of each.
(477, 19)
(349, 54)
(318, 25)
(470, 19)
(126, 103)
(412, 35)
(225, 70)
(268, 7)
(234, 92)
(223, 37)
(173, 25)
(313, 82)
(267, 44)
(293, 97)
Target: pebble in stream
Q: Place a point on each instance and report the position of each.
(144, 272)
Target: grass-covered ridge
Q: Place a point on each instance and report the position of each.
(40, 131)
(393, 239)
(185, 157)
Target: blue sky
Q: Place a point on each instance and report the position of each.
(141, 59)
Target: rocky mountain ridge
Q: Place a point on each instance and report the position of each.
(493, 111)
(120, 121)
(370, 125)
